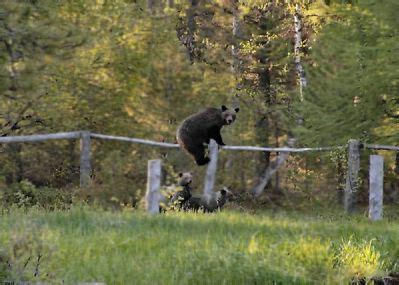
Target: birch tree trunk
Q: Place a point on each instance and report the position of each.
(298, 49)
(235, 49)
(236, 68)
(270, 170)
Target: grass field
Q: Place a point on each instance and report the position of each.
(84, 245)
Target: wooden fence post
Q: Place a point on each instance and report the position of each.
(85, 165)
(153, 186)
(352, 175)
(211, 170)
(376, 187)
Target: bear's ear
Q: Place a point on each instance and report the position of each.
(223, 192)
(237, 110)
(180, 174)
(224, 108)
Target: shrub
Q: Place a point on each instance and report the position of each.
(24, 195)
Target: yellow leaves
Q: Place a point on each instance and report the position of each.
(129, 110)
(18, 66)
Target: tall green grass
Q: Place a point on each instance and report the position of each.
(85, 245)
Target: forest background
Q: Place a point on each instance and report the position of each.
(321, 71)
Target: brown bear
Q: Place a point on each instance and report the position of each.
(198, 129)
(176, 195)
(214, 203)
(180, 197)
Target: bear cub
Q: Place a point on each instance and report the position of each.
(182, 196)
(175, 196)
(214, 203)
(198, 129)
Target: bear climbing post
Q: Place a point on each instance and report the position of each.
(153, 185)
(352, 175)
(376, 187)
(85, 165)
(198, 129)
(211, 170)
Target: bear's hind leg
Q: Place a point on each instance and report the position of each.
(203, 161)
(199, 155)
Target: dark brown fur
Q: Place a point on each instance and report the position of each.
(215, 203)
(182, 196)
(198, 129)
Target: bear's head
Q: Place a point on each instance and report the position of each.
(226, 193)
(229, 116)
(222, 196)
(185, 178)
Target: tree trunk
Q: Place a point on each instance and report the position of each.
(298, 49)
(262, 132)
(235, 49)
(276, 188)
(270, 170)
(150, 6)
(191, 28)
(262, 137)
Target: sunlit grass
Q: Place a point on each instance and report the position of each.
(187, 248)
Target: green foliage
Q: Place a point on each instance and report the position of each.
(112, 67)
(22, 254)
(352, 77)
(85, 245)
(25, 195)
(359, 259)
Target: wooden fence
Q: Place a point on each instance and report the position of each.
(153, 184)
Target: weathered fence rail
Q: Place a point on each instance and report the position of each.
(40, 138)
(279, 149)
(133, 140)
(381, 147)
(354, 148)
